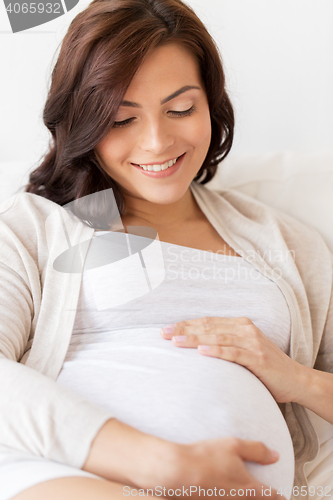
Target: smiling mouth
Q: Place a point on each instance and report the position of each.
(159, 167)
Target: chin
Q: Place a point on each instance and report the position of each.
(162, 200)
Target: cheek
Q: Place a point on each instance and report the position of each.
(201, 131)
(112, 151)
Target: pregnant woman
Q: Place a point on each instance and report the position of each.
(154, 333)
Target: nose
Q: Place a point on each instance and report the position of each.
(156, 137)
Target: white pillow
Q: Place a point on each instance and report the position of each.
(298, 184)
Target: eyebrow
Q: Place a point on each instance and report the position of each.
(166, 99)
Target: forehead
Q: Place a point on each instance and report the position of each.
(167, 64)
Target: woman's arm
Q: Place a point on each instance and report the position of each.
(37, 415)
(123, 454)
(316, 385)
(316, 392)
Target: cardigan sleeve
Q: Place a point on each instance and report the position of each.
(324, 361)
(37, 415)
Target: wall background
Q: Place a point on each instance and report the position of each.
(277, 56)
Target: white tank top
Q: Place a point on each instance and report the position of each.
(118, 360)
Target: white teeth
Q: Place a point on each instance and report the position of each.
(158, 168)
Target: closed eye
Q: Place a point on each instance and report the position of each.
(187, 112)
(123, 123)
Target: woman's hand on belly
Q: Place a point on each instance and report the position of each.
(218, 464)
(238, 340)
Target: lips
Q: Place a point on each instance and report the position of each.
(138, 164)
(162, 173)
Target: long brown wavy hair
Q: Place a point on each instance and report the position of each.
(103, 48)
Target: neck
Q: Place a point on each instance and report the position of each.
(165, 217)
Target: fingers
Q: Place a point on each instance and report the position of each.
(207, 324)
(235, 326)
(256, 451)
(230, 347)
(218, 320)
(222, 339)
(203, 329)
(223, 336)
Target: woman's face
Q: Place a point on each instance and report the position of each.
(155, 128)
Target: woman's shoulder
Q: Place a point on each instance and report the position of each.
(25, 205)
(34, 229)
(234, 204)
(29, 208)
(237, 206)
(265, 226)
(29, 218)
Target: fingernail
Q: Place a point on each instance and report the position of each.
(275, 454)
(179, 338)
(203, 347)
(169, 328)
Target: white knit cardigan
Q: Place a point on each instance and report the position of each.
(38, 307)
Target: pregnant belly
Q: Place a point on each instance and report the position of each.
(178, 394)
